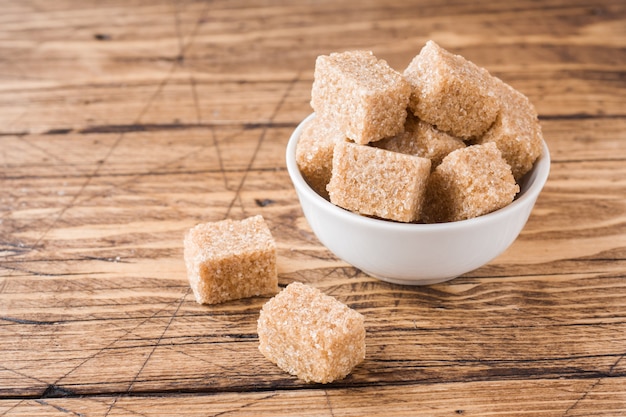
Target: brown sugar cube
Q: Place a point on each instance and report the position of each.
(451, 92)
(231, 259)
(365, 97)
(468, 183)
(422, 139)
(377, 182)
(311, 335)
(314, 153)
(516, 131)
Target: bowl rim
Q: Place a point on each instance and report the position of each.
(538, 176)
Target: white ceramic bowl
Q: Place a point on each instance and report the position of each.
(415, 254)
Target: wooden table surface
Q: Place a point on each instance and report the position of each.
(124, 123)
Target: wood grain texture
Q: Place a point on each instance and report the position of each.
(122, 124)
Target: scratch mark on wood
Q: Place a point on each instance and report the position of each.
(8, 410)
(243, 406)
(109, 345)
(196, 102)
(58, 408)
(26, 271)
(330, 406)
(82, 188)
(22, 374)
(260, 143)
(101, 163)
(582, 397)
(158, 342)
(220, 159)
(179, 37)
(593, 386)
(45, 151)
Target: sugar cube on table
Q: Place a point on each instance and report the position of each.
(468, 183)
(363, 95)
(231, 259)
(311, 335)
(451, 92)
(377, 182)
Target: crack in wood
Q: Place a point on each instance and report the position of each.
(580, 116)
(55, 391)
(27, 321)
(155, 127)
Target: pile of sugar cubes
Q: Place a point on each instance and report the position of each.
(444, 141)
(457, 153)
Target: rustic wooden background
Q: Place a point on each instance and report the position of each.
(124, 123)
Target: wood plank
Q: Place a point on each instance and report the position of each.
(81, 215)
(469, 329)
(576, 397)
